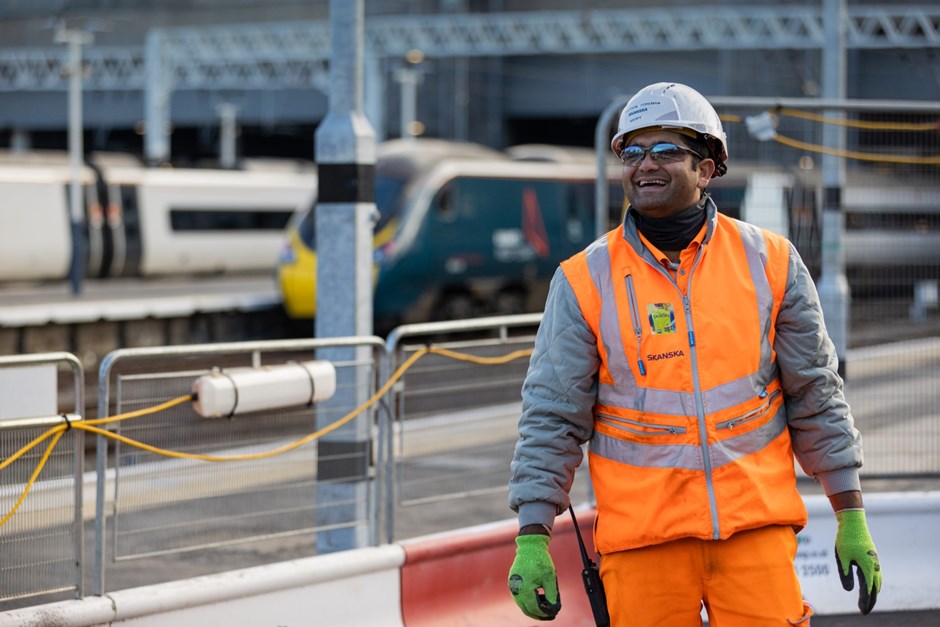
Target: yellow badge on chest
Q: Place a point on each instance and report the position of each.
(662, 318)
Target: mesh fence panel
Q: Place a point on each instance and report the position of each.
(456, 426)
(41, 542)
(165, 518)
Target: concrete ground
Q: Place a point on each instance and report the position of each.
(930, 618)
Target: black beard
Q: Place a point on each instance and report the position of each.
(674, 232)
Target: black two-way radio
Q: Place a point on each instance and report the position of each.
(591, 577)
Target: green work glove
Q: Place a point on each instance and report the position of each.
(854, 547)
(532, 579)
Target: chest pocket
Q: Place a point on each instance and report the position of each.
(752, 418)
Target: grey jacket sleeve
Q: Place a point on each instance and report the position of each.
(558, 396)
(825, 440)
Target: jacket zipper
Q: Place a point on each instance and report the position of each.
(637, 323)
(754, 414)
(649, 427)
(699, 402)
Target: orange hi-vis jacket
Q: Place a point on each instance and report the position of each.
(690, 428)
(691, 383)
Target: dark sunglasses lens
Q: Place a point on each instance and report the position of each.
(666, 152)
(633, 155)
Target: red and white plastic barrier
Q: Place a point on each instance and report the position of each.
(459, 578)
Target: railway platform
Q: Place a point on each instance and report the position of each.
(125, 313)
(40, 304)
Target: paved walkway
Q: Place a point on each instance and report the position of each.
(876, 619)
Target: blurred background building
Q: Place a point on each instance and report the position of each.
(499, 72)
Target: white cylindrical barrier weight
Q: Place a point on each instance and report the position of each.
(245, 390)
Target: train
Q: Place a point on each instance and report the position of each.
(463, 231)
(144, 222)
(467, 231)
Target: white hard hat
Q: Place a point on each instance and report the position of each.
(673, 106)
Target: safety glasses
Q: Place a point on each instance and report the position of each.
(660, 153)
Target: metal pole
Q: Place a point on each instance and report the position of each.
(407, 77)
(374, 92)
(156, 101)
(345, 155)
(228, 135)
(601, 146)
(75, 40)
(833, 286)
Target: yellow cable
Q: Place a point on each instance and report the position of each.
(861, 156)
(140, 412)
(273, 452)
(36, 442)
(869, 125)
(849, 154)
(32, 479)
(91, 425)
(486, 361)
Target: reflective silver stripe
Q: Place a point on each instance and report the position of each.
(689, 456)
(623, 392)
(727, 451)
(648, 455)
(668, 402)
(755, 250)
(734, 392)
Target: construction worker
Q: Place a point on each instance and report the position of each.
(689, 350)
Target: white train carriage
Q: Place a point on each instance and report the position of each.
(34, 221)
(146, 222)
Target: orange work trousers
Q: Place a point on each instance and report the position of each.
(748, 580)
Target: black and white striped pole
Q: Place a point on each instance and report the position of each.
(345, 155)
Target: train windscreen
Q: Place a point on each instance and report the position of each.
(388, 202)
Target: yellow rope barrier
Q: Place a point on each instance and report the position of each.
(36, 442)
(851, 154)
(861, 124)
(32, 478)
(485, 361)
(868, 125)
(91, 426)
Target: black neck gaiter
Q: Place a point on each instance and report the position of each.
(674, 232)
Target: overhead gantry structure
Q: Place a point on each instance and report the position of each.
(296, 54)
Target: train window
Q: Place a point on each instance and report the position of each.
(580, 211)
(388, 201)
(307, 229)
(443, 204)
(389, 192)
(229, 219)
(131, 216)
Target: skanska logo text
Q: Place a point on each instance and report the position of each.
(668, 355)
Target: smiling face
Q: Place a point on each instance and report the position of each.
(659, 189)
